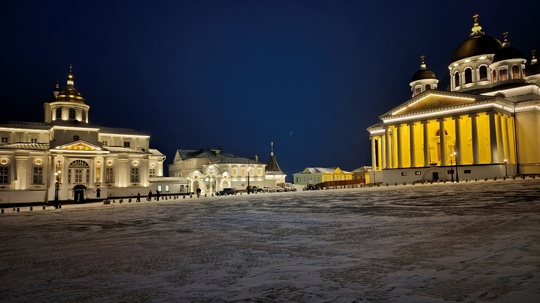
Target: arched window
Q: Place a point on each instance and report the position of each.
(494, 77)
(456, 79)
(504, 74)
(417, 90)
(71, 114)
(515, 72)
(468, 76)
(58, 113)
(428, 86)
(84, 116)
(483, 73)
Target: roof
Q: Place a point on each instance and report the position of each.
(120, 131)
(34, 146)
(119, 149)
(215, 155)
(478, 44)
(423, 73)
(273, 166)
(26, 125)
(321, 170)
(508, 52)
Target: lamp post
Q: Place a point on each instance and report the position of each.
(248, 188)
(56, 189)
(452, 167)
(457, 172)
(505, 168)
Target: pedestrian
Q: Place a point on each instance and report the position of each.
(157, 195)
(150, 195)
(198, 192)
(138, 197)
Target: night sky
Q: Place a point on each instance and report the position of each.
(309, 75)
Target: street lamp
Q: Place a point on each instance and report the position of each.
(452, 166)
(505, 168)
(457, 172)
(248, 188)
(56, 188)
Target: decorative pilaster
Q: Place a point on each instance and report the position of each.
(411, 144)
(458, 139)
(426, 143)
(399, 147)
(442, 140)
(493, 138)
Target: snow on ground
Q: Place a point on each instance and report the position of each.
(466, 242)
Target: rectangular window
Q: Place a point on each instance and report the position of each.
(467, 171)
(4, 139)
(418, 173)
(69, 176)
(127, 144)
(4, 175)
(167, 188)
(78, 175)
(38, 175)
(105, 143)
(159, 188)
(134, 175)
(109, 175)
(403, 173)
(33, 140)
(152, 172)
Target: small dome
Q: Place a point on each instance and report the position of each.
(70, 93)
(508, 52)
(476, 45)
(423, 74)
(532, 67)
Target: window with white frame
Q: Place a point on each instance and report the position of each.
(5, 139)
(134, 175)
(152, 173)
(38, 175)
(4, 174)
(109, 175)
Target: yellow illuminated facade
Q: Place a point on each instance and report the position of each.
(315, 175)
(486, 126)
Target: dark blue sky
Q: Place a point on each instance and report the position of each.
(309, 75)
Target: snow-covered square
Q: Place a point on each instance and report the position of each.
(466, 242)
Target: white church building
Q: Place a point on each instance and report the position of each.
(485, 125)
(68, 158)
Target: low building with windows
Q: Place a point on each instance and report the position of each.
(316, 175)
(212, 170)
(485, 125)
(68, 158)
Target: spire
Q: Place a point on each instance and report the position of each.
(272, 148)
(56, 89)
(476, 29)
(272, 165)
(423, 64)
(505, 42)
(70, 76)
(533, 59)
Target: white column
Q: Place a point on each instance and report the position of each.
(507, 143)
(411, 144)
(373, 154)
(383, 152)
(388, 148)
(500, 143)
(21, 172)
(474, 129)
(426, 143)
(442, 140)
(493, 138)
(458, 139)
(399, 147)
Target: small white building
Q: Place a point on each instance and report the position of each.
(212, 170)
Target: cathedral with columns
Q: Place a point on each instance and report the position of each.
(485, 125)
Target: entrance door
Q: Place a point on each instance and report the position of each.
(78, 193)
(435, 176)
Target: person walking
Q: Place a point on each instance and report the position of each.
(138, 197)
(157, 195)
(149, 196)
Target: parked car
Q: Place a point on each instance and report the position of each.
(309, 187)
(226, 192)
(289, 187)
(254, 189)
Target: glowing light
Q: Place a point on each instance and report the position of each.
(442, 112)
(414, 102)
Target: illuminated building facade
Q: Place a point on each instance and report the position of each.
(212, 170)
(487, 125)
(67, 158)
(315, 175)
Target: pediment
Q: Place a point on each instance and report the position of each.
(79, 145)
(433, 101)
